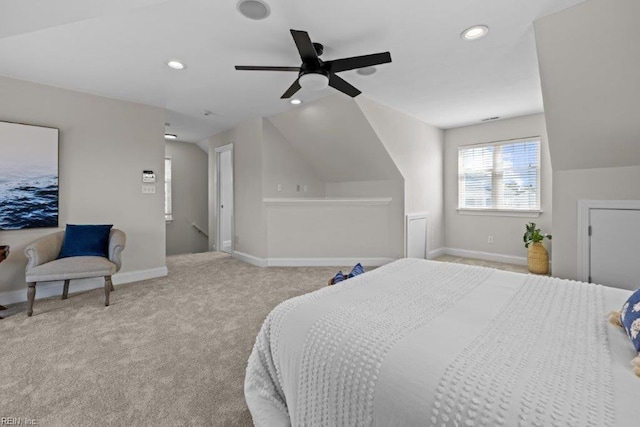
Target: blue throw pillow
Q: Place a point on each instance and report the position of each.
(630, 318)
(86, 240)
(358, 269)
(338, 277)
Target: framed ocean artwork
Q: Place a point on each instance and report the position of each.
(28, 176)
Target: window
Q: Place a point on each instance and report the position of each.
(167, 189)
(500, 176)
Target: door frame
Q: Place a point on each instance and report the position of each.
(584, 220)
(219, 242)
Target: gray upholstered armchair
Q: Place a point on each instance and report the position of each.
(44, 267)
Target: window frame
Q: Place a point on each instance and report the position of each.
(493, 210)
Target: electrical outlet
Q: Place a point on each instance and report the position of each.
(490, 240)
(279, 187)
(148, 189)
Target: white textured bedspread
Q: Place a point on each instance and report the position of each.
(423, 343)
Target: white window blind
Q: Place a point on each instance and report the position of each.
(167, 189)
(500, 176)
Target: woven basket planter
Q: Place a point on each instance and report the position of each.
(538, 259)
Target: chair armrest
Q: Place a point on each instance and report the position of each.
(44, 250)
(117, 241)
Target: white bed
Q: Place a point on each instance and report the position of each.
(424, 343)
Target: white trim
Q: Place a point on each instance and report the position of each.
(584, 220)
(500, 212)
(437, 252)
(486, 256)
(408, 219)
(309, 262)
(139, 275)
(352, 201)
(54, 289)
(501, 142)
(218, 238)
(326, 262)
(249, 259)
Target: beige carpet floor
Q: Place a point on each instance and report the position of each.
(168, 351)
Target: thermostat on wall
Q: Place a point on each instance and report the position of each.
(148, 176)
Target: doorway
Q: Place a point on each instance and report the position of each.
(225, 232)
(608, 242)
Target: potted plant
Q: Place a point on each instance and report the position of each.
(538, 257)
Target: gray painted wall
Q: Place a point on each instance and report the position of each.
(416, 148)
(334, 136)
(589, 63)
(104, 147)
(189, 192)
(470, 232)
(283, 165)
(250, 219)
(394, 231)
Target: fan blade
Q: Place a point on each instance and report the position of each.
(305, 47)
(344, 87)
(260, 68)
(354, 62)
(292, 90)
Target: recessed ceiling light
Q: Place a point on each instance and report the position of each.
(474, 33)
(176, 65)
(295, 101)
(253, 9)
(170, 136)
(366, 71)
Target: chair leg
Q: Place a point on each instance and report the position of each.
(112, 288)
(107, 289)
(65, 290)
(31, 296)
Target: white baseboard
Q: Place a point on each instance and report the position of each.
(486, 256)
(52, 289)
(309, 262)
(326, 262)
(436, 253)
(139, 275)
(249, 259)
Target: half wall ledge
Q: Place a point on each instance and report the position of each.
(334, 201)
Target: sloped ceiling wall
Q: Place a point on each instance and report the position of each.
(589, 61)
(333, 135)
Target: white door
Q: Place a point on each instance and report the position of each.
(225, 198)
(615, 247)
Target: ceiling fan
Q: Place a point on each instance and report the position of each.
(316, 74)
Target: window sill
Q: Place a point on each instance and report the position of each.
(501, 212)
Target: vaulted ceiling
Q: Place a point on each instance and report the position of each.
(119, 49)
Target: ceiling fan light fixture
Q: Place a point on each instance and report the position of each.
(170, 136)
(474, 33)
(313, 81)
(295, 101)
(254, 9)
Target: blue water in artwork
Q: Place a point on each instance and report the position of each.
(28, 199)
